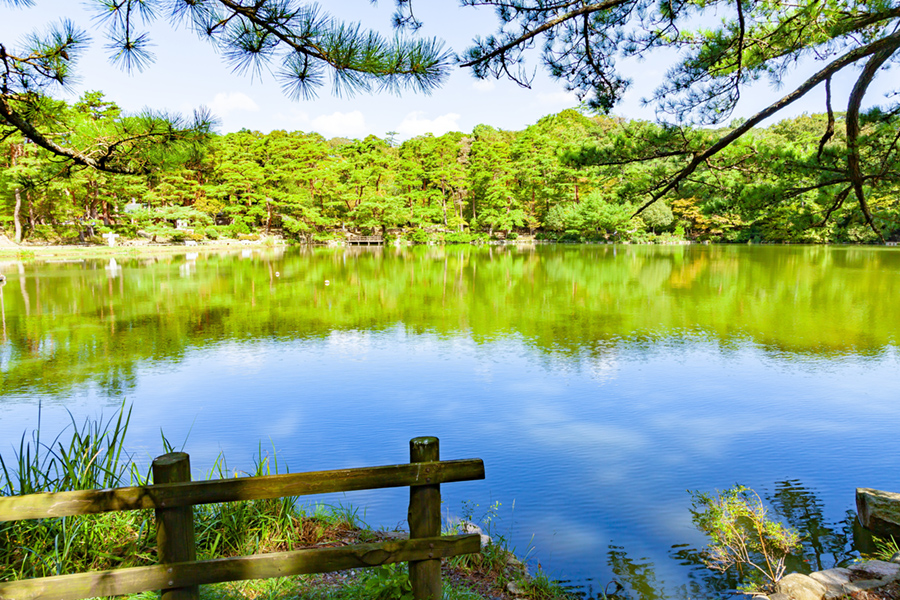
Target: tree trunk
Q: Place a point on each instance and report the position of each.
(444, 203)
(853, 129)
(533, 213)
(32, 221)
(95, 200)
(16, 218)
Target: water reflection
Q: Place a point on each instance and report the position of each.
(824, 545)
(576, 306)
(597, 383)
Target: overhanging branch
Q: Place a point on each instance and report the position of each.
(887, 44)
(32, 133)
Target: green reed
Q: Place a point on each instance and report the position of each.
(93, 456)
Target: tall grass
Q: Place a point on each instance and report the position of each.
(93, 456)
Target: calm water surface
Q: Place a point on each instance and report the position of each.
(598, 383)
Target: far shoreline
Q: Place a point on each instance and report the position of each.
(26, 252)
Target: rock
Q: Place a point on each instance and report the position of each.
(878, 511)
(877, 569)
(833, 580)
(862, 584)
(515, 588)
(896, 558)
(778, 596)
(836, 577)
(798, 586)
(467, 527)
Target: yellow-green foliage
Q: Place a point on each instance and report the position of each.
(742, 536)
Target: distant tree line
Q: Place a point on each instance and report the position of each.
(570, 177)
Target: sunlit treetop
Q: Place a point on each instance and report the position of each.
(719, 48)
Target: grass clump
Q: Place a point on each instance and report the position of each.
(92, 458)
(885, 548)
(497, 569)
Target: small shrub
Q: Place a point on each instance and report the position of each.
(324, 236)
(742, 536)
(43, 233)
(212, 233)
(177, 237)
(512, 235)
(459, 237)
(420, 236)
(248, 237)
(569, 237)
(238, 227)
(388, 582)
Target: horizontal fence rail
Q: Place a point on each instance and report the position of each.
(259, 566)
(170, 495)
(178, 575)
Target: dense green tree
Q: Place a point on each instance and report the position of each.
(492, 200)
(568, 174)
(432, 175)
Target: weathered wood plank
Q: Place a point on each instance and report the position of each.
(424, 519)
(39, 506)
(175, 526)
(260, 566)
(879, 511)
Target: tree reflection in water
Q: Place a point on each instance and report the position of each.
(825, 545)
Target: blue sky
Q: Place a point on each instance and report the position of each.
(188, 73)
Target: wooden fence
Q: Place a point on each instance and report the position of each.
(179, 575)
(365, 239)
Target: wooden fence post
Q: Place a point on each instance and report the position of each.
(175, 526)
(425, 521)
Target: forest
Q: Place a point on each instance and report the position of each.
(574, 176)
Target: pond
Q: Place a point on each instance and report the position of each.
(599, 383)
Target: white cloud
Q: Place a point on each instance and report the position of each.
(415, 124)
(225, 103)
(483, 85)
(339, 124)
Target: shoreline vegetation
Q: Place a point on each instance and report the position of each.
(573, 176)
(94, 456)
(26, 251)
